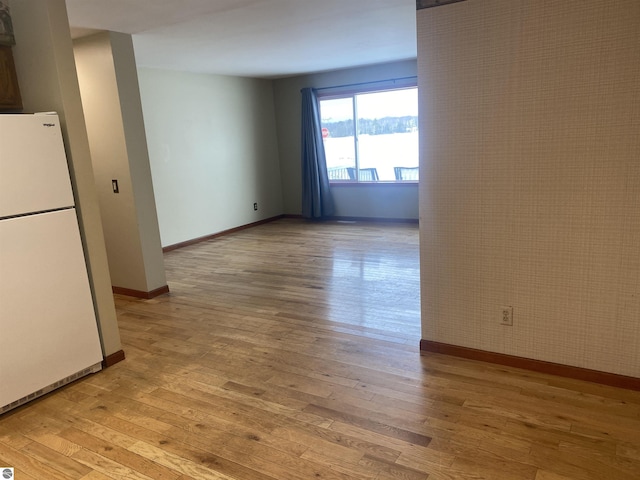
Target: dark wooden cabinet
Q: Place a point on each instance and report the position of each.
(10, 98)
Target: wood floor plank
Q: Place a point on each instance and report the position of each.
(56, 443)
(29, 464)
(95, 475)
(290, 351)
(392, 470)
(119, 455)
(368, 424)
(106, 466)
(62, 463)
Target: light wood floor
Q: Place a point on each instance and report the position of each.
(290, 351)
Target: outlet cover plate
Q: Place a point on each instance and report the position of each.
(506, 317)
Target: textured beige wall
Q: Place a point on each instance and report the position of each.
(530, 155)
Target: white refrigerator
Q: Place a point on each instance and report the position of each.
(48, 330)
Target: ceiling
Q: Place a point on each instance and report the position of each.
(255, 38)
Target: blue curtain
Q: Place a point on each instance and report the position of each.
(316, 196)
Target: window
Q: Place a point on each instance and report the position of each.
(371, 136)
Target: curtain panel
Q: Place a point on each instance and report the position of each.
(316, 195)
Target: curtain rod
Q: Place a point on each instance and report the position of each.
(367, 83)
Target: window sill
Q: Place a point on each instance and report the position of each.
(347, 183)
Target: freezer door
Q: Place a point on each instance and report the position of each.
(48, 327)
(34, 175)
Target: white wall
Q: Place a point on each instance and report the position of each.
(213, 151)
(375, 201)
(111, 102)
(530, 155)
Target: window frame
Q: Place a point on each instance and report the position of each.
(350, 92)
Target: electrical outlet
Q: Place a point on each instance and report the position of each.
(255, 207)
(507, 316)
